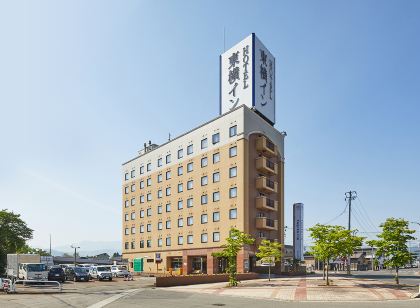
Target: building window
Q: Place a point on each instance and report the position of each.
(141, 213)
(133, 201)
(133, 173)
(204, 162)
(159, 193)
(216, 236)
(204, 218)
(216, 196)
(180, 240)
(189, 239)
(232, 131)
(126, 217)
(216, 177)
(126, 245)
(168, 191)
(190, 221)
(133, 187)
(159, 209)
(141, 228)
(133, 230)
(180, 153)
(160, 225)
(190, 167)
(180, 188)
(233, 192)
(149, 212)
(126, 176)
(233, 213)
(159, 164)
(141, 184)
(126, 203)
(215, 138)
(159, 178)
(133, 245)
(149, 227)
(141, 169)
(180, 170)
(216, 216)
(126, 231)
(190, 202)
(159, 242)
(133, 215)
(204, 180)
(190, 184)
(149, 197)
(141, 244)
(149, 181)
(168, 224)
(204, 143)
(168, 241)
(168, 158)
(180, 222)
(216, 157)
(204, 238)
(149, 243)
(233, 151)
(180, 205)
(142, 199)
(168, 207)
(232, 172)
(168, 175)
(204, 199)
(190, 149)
(149, 167)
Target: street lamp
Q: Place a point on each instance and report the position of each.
(75, 248)
(418, 258)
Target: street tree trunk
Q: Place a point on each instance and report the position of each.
(269, 272)
(323, 270)
(328, 281)
(397, 278)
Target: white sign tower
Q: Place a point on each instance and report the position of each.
(247, 77)
(298, 231)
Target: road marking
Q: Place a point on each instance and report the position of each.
(112, 299)
(300, 292)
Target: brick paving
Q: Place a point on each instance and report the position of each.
(306, 289)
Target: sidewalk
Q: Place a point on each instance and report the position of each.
(306, 289)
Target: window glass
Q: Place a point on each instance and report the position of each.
(159, 242)
(168, 175)
(180, 222)
(168, 158)
(126, 176)
(160, 225)
(189, 239)
(204, 143)
(215, 138)
(159, 209)
(216, 236)
(149, 182)
(216, 196)
(189, 167)
(190, 184)
(216, 157)
(233, 192)
(159, 177)
(149, 166)
(232, 131)
(216, 216)
(216, 177)
(180, 170)
(204, 218)
(232, 151)
(168, 207)
(180, 240)
(180, 153)
(141, 169)
(190, 149)
(141, 213)
(204, 199)
(232, 172)
(168, 191)
(190, 221)
(180, 205)
(233, 214)
(168, 241)
(190, 202)
(168, 224)
(204, 162)
(159, 162)
(204, 180)
(204, 238)
(149, 212)
(180, 187)
(141, 184)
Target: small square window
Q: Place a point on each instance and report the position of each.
(159, 162)
(190, 149)
(216, 157)
(149, 166)
(233, 151)
(133, 187)
(149, 243)
(168, 207)
(149, 181)
(142, 199)
(216, 196)
(189, 239)
(204, 143)
(168, 241)
(180, 222)
(141, 213)
(190, 202)
(216, 216)
(168, 191)
(159, 178)
(159, 209)
(133, 215)
(141, 228)
(204, 162)
(180, 188)
(141, 169)
(190, 184)
(133, 173)
(215, 138)
(204, 180)
(159, 242)
(233, 192)
(133, 245)
(204, 238)
(216, 236)
(133, 201)
(168, 158)
(204, 199)
(168, 175)
(126, 232)
(133, 230)
(180, 204)
(127, 203)
(180, 153)
(149, 227)
(180, 170)
(141, 244)
(149, 197)
(126, 245)
(232, 131)
(190, 221)
(159, 193)
(160, 225)
(141, 184)
(168, 224)
(216, 177)
(233, 213)
(204, 218)
(149, 212)
(180, 240)
(126, 176)
(190, 167)
(232, 172)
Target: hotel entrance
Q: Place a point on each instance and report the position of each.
(199, 265)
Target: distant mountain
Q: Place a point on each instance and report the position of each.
(88, 248)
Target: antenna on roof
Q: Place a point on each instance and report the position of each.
(169, 138)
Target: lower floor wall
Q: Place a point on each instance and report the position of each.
(190, 261)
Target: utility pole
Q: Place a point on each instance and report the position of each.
(75, 247)
(350, 195)
(50, 244)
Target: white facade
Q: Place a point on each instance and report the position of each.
(298, 228)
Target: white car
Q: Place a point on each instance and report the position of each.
(119, 271)
(100, 273)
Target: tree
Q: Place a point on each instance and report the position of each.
(28, 249)
(116, 255)
(392, 243)
(13, 235)
(332, 242)
(235, 242)
(269, 252)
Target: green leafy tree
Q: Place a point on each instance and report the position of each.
(269, 252)
(392, 244)
(234, 243)
(13, 235)
(332, 242)
(28, 249)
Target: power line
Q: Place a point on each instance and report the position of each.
(367, 215)
(339, 215)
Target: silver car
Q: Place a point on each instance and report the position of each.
(100, 273)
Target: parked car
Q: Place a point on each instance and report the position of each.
(56, 273)
(119, 271)
(77, 274)
(100, 273)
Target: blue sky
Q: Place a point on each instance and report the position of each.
(85, 83)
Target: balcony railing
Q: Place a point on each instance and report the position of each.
(266, 185)
(266, 146)
(266, 166)
(264, 203)
(265, 223)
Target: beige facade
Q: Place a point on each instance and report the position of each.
(180, 199)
